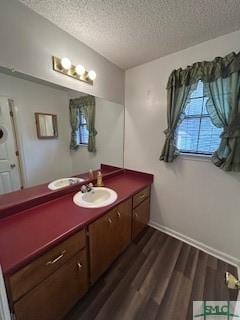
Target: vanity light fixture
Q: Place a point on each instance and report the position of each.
(66, 63)
(78, 72)
(92, 75)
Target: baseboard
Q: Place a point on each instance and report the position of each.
(199, 245)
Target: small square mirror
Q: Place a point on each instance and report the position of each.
(46, 125)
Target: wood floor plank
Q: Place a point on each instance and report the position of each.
(157, 277)
(198, 283)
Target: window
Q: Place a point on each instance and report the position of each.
(196, 133)
(83, 131)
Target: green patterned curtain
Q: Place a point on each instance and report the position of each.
(221, 79)
(223, 106)
(75, 122)
(177, 98)
(85, 105)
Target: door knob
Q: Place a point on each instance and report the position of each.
(12, 165)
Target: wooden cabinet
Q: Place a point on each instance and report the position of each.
(48, 287)
(38, 270)
(57, 294)
(108, 237)
(141, 211)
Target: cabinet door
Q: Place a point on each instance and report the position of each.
(108, 237)
(140, 217)
(123, 226)
(101, 244)
(57, 294)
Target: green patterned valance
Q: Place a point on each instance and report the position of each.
(207, 71)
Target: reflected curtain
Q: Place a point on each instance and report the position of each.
(221, 85)
(86, 106)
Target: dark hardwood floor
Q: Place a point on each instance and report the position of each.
(157, 277)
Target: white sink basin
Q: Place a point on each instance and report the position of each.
(97, 198)
(64, 182)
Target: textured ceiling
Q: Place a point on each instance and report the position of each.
(132, 32)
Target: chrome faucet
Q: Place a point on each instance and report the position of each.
(87, 188)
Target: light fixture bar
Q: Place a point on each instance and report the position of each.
(71, 72)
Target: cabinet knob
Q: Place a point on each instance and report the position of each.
(109, 220)
(12, 166)
(136, 214)
(118, 214)
(79, 266)
(142, 196)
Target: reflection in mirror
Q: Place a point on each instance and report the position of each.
(26, 160)
(46, 125)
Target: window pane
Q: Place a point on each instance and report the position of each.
(199, 91)
(194, 107)
(83, 120)
(187, 134)
(204, 111)
(209, 137)
(83, 134)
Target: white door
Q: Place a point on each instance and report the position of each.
(9, 166)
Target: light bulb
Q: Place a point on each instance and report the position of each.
(66, 63)
(92, 75)
(80, 70)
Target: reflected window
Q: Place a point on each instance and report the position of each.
(83, 131)
(196, 133)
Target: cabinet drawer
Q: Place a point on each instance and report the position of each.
(140, 196)
(57, 294)
(31, 275)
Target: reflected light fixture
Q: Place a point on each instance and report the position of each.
(80, 70)
(64, 66)
(92, 75)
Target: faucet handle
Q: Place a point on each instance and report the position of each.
(83, 189)
(89, 187)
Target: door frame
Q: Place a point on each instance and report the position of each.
(12, 111)
(17, 138)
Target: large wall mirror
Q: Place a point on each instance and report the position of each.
(26, 160)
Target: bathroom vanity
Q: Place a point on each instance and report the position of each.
(51, 253)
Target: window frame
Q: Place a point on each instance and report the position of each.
(82, 124)
(199, 116)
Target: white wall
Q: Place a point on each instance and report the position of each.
(191, 197)
(109, 140)
(43, 160)
(28, 41)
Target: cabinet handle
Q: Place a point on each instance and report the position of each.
(79, 266)
(109, 220)
(136, 215)
(118, 214)
(142, 196)
(56, 259)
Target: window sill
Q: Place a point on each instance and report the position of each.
(195, 157)
(82, 145)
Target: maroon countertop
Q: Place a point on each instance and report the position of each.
(29, 233)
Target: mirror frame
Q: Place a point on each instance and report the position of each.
(55, 126)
